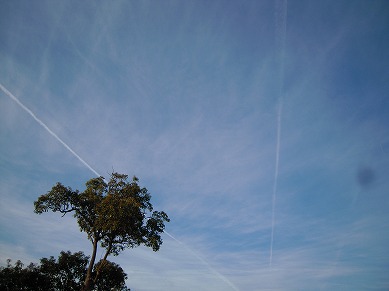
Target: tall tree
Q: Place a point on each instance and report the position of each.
(116, 214)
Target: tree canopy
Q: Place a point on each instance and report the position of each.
(67, 273)
(115, 214)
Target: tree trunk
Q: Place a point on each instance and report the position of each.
(88, 279)
(102, 262)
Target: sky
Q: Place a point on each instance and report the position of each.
(260, 127)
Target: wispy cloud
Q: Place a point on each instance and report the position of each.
(188, 98)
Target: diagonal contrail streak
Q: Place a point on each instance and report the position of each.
(25, 108)
(220, 276)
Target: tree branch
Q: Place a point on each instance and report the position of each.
(67, 211)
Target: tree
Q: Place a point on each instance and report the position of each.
(16, 278)
(65, 274)
(68, 273)
(116, 214)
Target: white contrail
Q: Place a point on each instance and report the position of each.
(25, 108)
(280, 34)
(281, 11)
(220, 276)
(279, 114)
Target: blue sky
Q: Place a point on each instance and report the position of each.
(260, 127)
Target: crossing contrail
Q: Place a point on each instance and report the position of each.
(280, 35)
(220, 276)
(25, 108)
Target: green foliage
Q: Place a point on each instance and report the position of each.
(16, 277)
(68, 273)
(65, 274)
(111, 275)
(116, 214)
